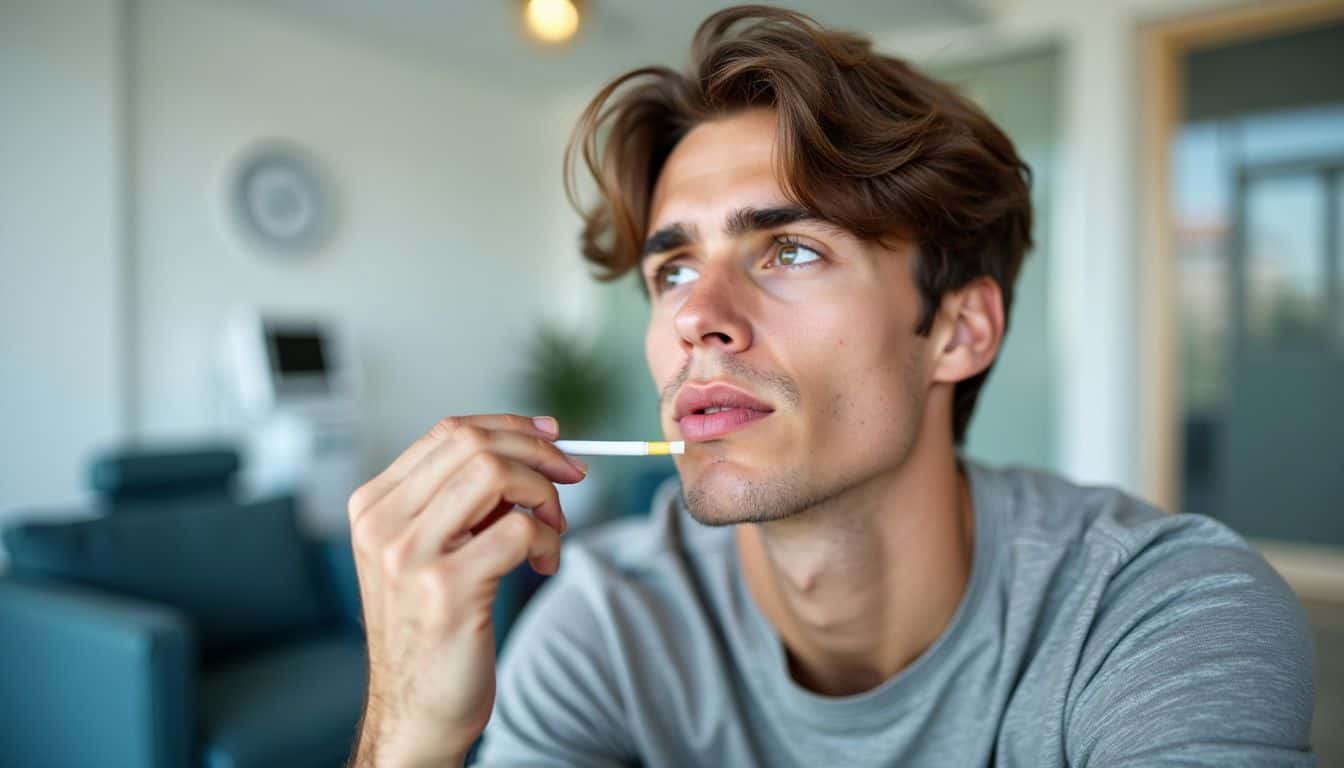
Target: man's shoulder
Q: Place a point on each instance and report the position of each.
(1046, 509)
(1139, 564)
(1146, 600)
(1119, 559)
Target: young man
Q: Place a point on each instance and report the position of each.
(829, 240)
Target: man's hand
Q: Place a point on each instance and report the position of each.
(433, 534)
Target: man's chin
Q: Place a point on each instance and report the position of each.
(725, 494)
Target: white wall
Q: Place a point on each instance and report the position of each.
(60, 244)
(437, 266)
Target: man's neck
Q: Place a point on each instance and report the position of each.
(859, 587)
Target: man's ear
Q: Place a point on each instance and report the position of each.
(968, 331)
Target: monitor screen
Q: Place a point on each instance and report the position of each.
(297, 353)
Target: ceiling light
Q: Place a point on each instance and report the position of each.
(552, 21)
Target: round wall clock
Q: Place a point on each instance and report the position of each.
(279, 199)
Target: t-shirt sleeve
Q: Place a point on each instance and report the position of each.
(557, 701)
(1199, 654)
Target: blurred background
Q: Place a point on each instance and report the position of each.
(254, 248)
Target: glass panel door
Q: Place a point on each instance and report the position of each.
(1283, 468)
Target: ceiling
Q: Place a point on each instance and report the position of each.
(483, 39)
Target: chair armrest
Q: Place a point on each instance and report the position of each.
(93, 678)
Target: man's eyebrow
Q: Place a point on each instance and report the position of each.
(740, 222)
(746, 220)
(667, 238)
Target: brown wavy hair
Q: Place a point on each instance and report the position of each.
(864, 140)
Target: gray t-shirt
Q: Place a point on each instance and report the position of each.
(1095, 630)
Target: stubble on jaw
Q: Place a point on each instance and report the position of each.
(760, 501)
(783, 496)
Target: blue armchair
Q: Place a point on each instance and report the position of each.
(178, 627)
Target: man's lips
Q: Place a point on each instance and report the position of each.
(708, 426)
(733, 409)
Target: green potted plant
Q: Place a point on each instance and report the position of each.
(566, 378)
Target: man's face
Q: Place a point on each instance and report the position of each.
(800, 315)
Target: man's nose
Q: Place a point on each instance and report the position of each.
(712, 316)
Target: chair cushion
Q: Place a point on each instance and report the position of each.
(297, 705)
(239, 571)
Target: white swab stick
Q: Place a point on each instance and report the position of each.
(620, 447)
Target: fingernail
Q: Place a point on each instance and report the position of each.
(578, 463)
(547, 424)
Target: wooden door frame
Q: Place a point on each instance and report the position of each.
(1163, 48)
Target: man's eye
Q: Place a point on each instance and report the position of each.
(672, 275)
(793, 254)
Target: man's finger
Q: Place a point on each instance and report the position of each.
(426, 482)
(478, 490)
(501, 547)
(377, 488)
